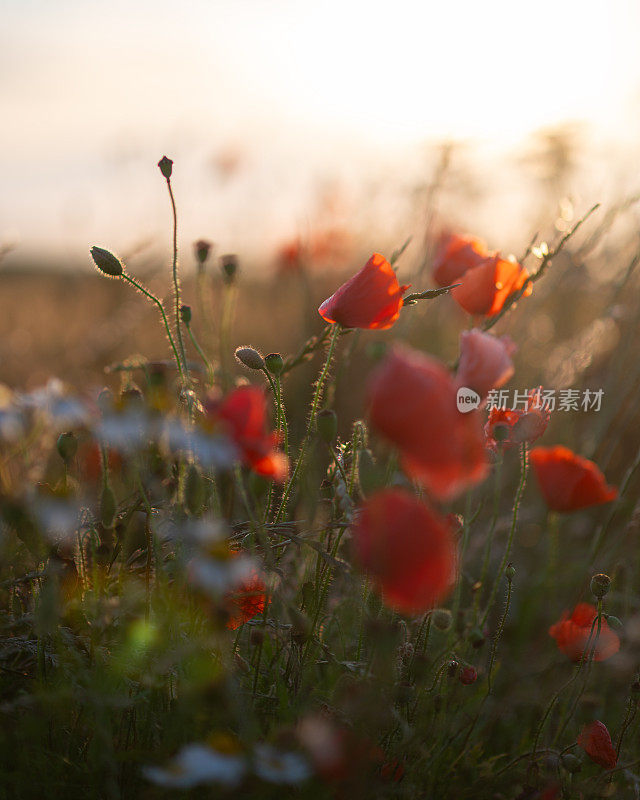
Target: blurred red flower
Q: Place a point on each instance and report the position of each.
(484, 288)
(485, 361)
(243, 412)
(596, 742)
(468, 675)
(507, 427)
(246, 601)
(406, 548)
(572, 634)
(455, 255)
(412, 402)
(371, 299)
(568, 481)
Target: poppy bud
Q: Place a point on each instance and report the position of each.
(107, 506)
(229, 264)
(185, 314)
(202, 248)
(106, 262)
(250, 357)
(194, 493)
(600, 584)
(571, 763)
(510, 572)
(441, 618)
(327, 424)
(452, 668)
(166, 166)
(67, 446)
(614, 622)
(468, 675)
(274, 363)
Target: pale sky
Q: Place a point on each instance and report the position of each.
(92, 93)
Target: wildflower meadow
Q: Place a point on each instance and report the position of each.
(398, 559)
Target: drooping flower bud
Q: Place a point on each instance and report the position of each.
(185, 314)
(571, 763)
(327, 424)
(600, 584)
(274, 363)
(250, 357)
(106, 262)
(166, 166)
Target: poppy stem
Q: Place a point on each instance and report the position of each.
(176, 279)
(315, 404)
(524, 466)
(496, 638)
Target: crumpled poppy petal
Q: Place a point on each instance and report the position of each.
(372, 298)
(595, 740)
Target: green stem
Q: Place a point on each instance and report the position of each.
(155, 300)
(524, 464)
(201, 353)
(176, 280)
(317, 396)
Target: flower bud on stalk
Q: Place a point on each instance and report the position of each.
(67, 447)
(274, 363)
(327, 424)
(250, 357)
(166, 166)
(106, 262)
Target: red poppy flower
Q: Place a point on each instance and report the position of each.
(568, 481)
(485, 361)
(244, 413)
(371, 299)
(412, 402)
(455, 255)
(572, 634)
(484, 288)
(406, 548)
(507, 427)
(246, 601)
(596, 743)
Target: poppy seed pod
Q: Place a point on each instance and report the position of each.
(202, 248)
(327, 424)
(250, 357)
(166, 166)
(67, 446)
(600, 584)
(106, 262)
(229, 264)
(274, 363)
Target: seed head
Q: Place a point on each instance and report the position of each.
(600, 584)
(202, 248)
(442, 618)
(229, 264)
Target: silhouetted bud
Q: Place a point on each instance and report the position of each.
(166, 166)
(600, 584)
(202, 248)
(67, 446)
(185, 314)
(229, 265)
(442, 618)
(274, 363)
(106, 262)
(250, 357)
